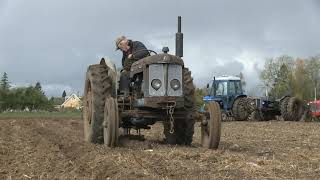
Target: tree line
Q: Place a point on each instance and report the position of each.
(23, 98)
(286, 75)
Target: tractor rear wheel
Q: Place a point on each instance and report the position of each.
(250, 105)
(240, 109)
(211, 128)
(111, 122)
(255, 116)
(295, 109)
(98, 85)
(183, 128)
(283, 109)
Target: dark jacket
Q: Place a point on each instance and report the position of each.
(138, 50)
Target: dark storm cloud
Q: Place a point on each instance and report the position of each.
(54, 41)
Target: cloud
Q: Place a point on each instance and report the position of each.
(54, 41)
(55, 89)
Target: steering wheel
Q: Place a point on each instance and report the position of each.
(150, 51)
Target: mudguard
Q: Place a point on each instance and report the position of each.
(112, 72)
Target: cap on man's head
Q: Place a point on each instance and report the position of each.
(118, 40)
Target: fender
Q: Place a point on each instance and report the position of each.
(112, 73)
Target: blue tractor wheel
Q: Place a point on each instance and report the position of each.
(240, 109)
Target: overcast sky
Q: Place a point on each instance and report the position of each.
(53, 41)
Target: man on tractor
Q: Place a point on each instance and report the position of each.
(132, 51)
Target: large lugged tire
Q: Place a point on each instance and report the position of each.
(189, 90)
(240, 109)
(184, 128)
(295, 109)
(250, 105)
(111, 122)
(255, 116)
(283, 109)
(258, 115)
(211, 130)
(98, 85)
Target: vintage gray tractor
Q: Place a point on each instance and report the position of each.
(157, 88)
(287, 107)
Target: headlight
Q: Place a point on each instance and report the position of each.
(175, 84)
(156, 84)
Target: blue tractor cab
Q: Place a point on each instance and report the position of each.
(228, 92)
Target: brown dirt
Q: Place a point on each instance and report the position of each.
(54, 149)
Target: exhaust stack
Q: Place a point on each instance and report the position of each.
(179, 39)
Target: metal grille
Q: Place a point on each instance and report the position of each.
(165, 73)
(156, 71)
(174, 72)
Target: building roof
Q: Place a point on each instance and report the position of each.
(72, 96)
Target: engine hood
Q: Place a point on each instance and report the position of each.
(163, 58)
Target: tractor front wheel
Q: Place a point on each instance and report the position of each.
(183, 128)
(98, 85)
(211, 126)
(111, 122)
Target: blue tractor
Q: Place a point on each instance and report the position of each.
(228, 92)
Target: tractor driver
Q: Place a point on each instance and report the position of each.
(132, 51)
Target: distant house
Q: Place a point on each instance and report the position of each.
(72, 101)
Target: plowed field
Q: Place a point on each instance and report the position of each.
(54, 149)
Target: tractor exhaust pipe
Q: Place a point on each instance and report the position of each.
(179, 39)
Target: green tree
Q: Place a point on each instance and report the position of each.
(313, 67)
(64, 94)
(57, 100)
(20, 98)
(276, 75)
(287, 76)
(4, 83)
(38, 86)
(3, 97)
(35, 99)
(301, 82)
